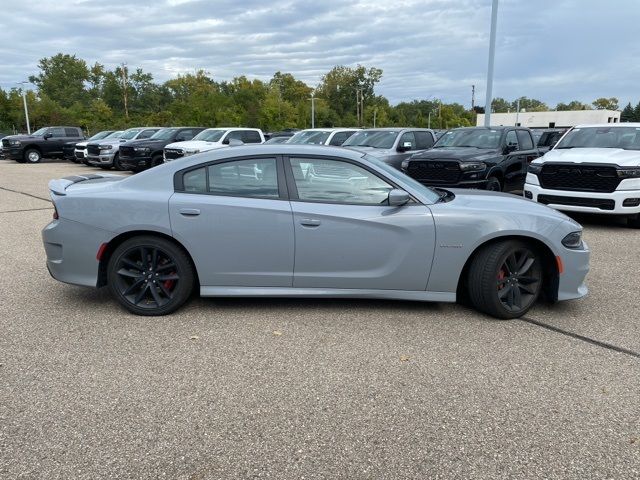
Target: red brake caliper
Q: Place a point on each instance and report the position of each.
(501, 275)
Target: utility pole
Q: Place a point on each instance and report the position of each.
(429, 121)
(492, 54)
(24, 102)
(124, 90)
(375, 114)
(473, 96)
(313, 110)
(358, 106)
(517, 111)
(362, 107)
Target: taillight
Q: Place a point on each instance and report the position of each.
(55, 212)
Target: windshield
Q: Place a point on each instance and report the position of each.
(100, 135)
(129, 134)
(372, 138)
(41, 132)
(627, 138)
(164, 134)
(472, 137)
(115, 134)
(210, 135)
(310, 137)
(395, 174)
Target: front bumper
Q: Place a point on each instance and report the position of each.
(71, 249)
(587, 202)
(576, 267)
(135, 163)
(13, 153)
(102, 159)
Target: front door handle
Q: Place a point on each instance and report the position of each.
(310, 222)
(189, 212)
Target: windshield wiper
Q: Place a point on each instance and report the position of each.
(563, 148)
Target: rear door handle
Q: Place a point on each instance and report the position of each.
(310, 222)
(189, 212)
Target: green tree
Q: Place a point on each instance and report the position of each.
(628, 114)
(602, 103)
(529, 105)
(572, 105)
(62, 79)
(500, 105)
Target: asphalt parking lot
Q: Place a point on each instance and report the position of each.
(263, 388)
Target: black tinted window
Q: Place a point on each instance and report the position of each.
(511, 139)
(147, 133)
(184, 135)
(524, 139)
(245, 178)
(424, 140)
(57, 132)
(339, 138)
(71, 132)
(251, 136)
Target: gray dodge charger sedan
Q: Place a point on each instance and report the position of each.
(308, 221)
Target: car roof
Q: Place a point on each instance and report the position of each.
(613, 125)
(395, 129)
(329, 129)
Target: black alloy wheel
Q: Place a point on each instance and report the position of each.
(505, 279)
(150, 276)
(493, 185)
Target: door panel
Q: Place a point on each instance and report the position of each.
(236, 241)
(362, 246)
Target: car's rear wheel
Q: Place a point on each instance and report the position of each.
(150, 275)
(32, 155)
(493, 185)
(505, 279)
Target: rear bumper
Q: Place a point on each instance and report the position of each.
(71, 249)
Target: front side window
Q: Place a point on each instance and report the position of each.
(335, 181)
(524, 139)
(57, 132)
(184, 135)
(408, 141)
(511, 140)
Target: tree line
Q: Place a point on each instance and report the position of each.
(69, 91)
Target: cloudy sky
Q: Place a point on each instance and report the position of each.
(554, 50)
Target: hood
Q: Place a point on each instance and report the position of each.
(82, 144)
(614, 156)
(146, 142)
(22, 137)
(457, 153)
(505, 203)
(376, 152)
(196, 144)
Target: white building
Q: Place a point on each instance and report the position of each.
(569, 118)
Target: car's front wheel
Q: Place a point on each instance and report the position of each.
(493, 185)
(116, 163)
(505, 279)
(32, 155)
(150, 275)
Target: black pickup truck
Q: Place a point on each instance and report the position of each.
(491, 158)
(46, 142)
(138, 155)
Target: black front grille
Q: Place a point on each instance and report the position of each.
(93, 150)
(601, 203)
(5, 143)
(434, 171)
(79, 154)
(173, 153)
(127, 152)
(579, 177)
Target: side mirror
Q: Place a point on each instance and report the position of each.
(398, 197)
(405, 147)
(510, 148)
(48, 135)
(234, 142)
(226, 141)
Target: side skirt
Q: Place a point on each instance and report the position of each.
(418, 296)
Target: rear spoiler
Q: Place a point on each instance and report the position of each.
(60, 185)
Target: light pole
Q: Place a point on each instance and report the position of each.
(492, 54)
(24, 101)
(429, 121)
(313, 110)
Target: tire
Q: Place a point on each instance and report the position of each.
(32, 155)
(493, 185)
(634, 221)
(105, 167)
(116, 163)
(157, 160)
(494, 290)
(131, 268)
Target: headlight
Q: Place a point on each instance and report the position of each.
(473, 166)
(573, 240)
(14, 142)
(535, 168)
(142, 149)
(633, 172)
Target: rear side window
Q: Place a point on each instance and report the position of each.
(424, 140)
(195, 181)
(340, 137)
(146, 133)
(57, 132)
(72, 132)
(525, 140)
(251, 136)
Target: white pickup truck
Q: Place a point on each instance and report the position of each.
(592, 169)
